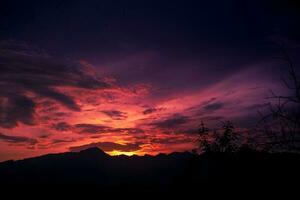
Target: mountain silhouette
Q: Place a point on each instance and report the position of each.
(93, 167)
(93, 152)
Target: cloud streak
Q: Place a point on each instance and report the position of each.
(170, 122)
(115, 114)
(17, 139)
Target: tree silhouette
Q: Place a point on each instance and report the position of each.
(282, 124)
(203, 138)
(225, 141)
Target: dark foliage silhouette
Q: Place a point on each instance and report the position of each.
(228, 138)
(281, 125)
(224, 141)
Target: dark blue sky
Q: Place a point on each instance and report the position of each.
(219, 34)
(89, 28)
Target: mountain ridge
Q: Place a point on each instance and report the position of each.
(184, 170)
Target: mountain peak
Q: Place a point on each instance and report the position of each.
(93, 151)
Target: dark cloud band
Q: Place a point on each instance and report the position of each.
(24, 71)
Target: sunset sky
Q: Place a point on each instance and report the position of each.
(136, 77)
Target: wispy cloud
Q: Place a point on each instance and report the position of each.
(17, 139)
(115, 114)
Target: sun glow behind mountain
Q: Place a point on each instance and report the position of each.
(118, 153)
